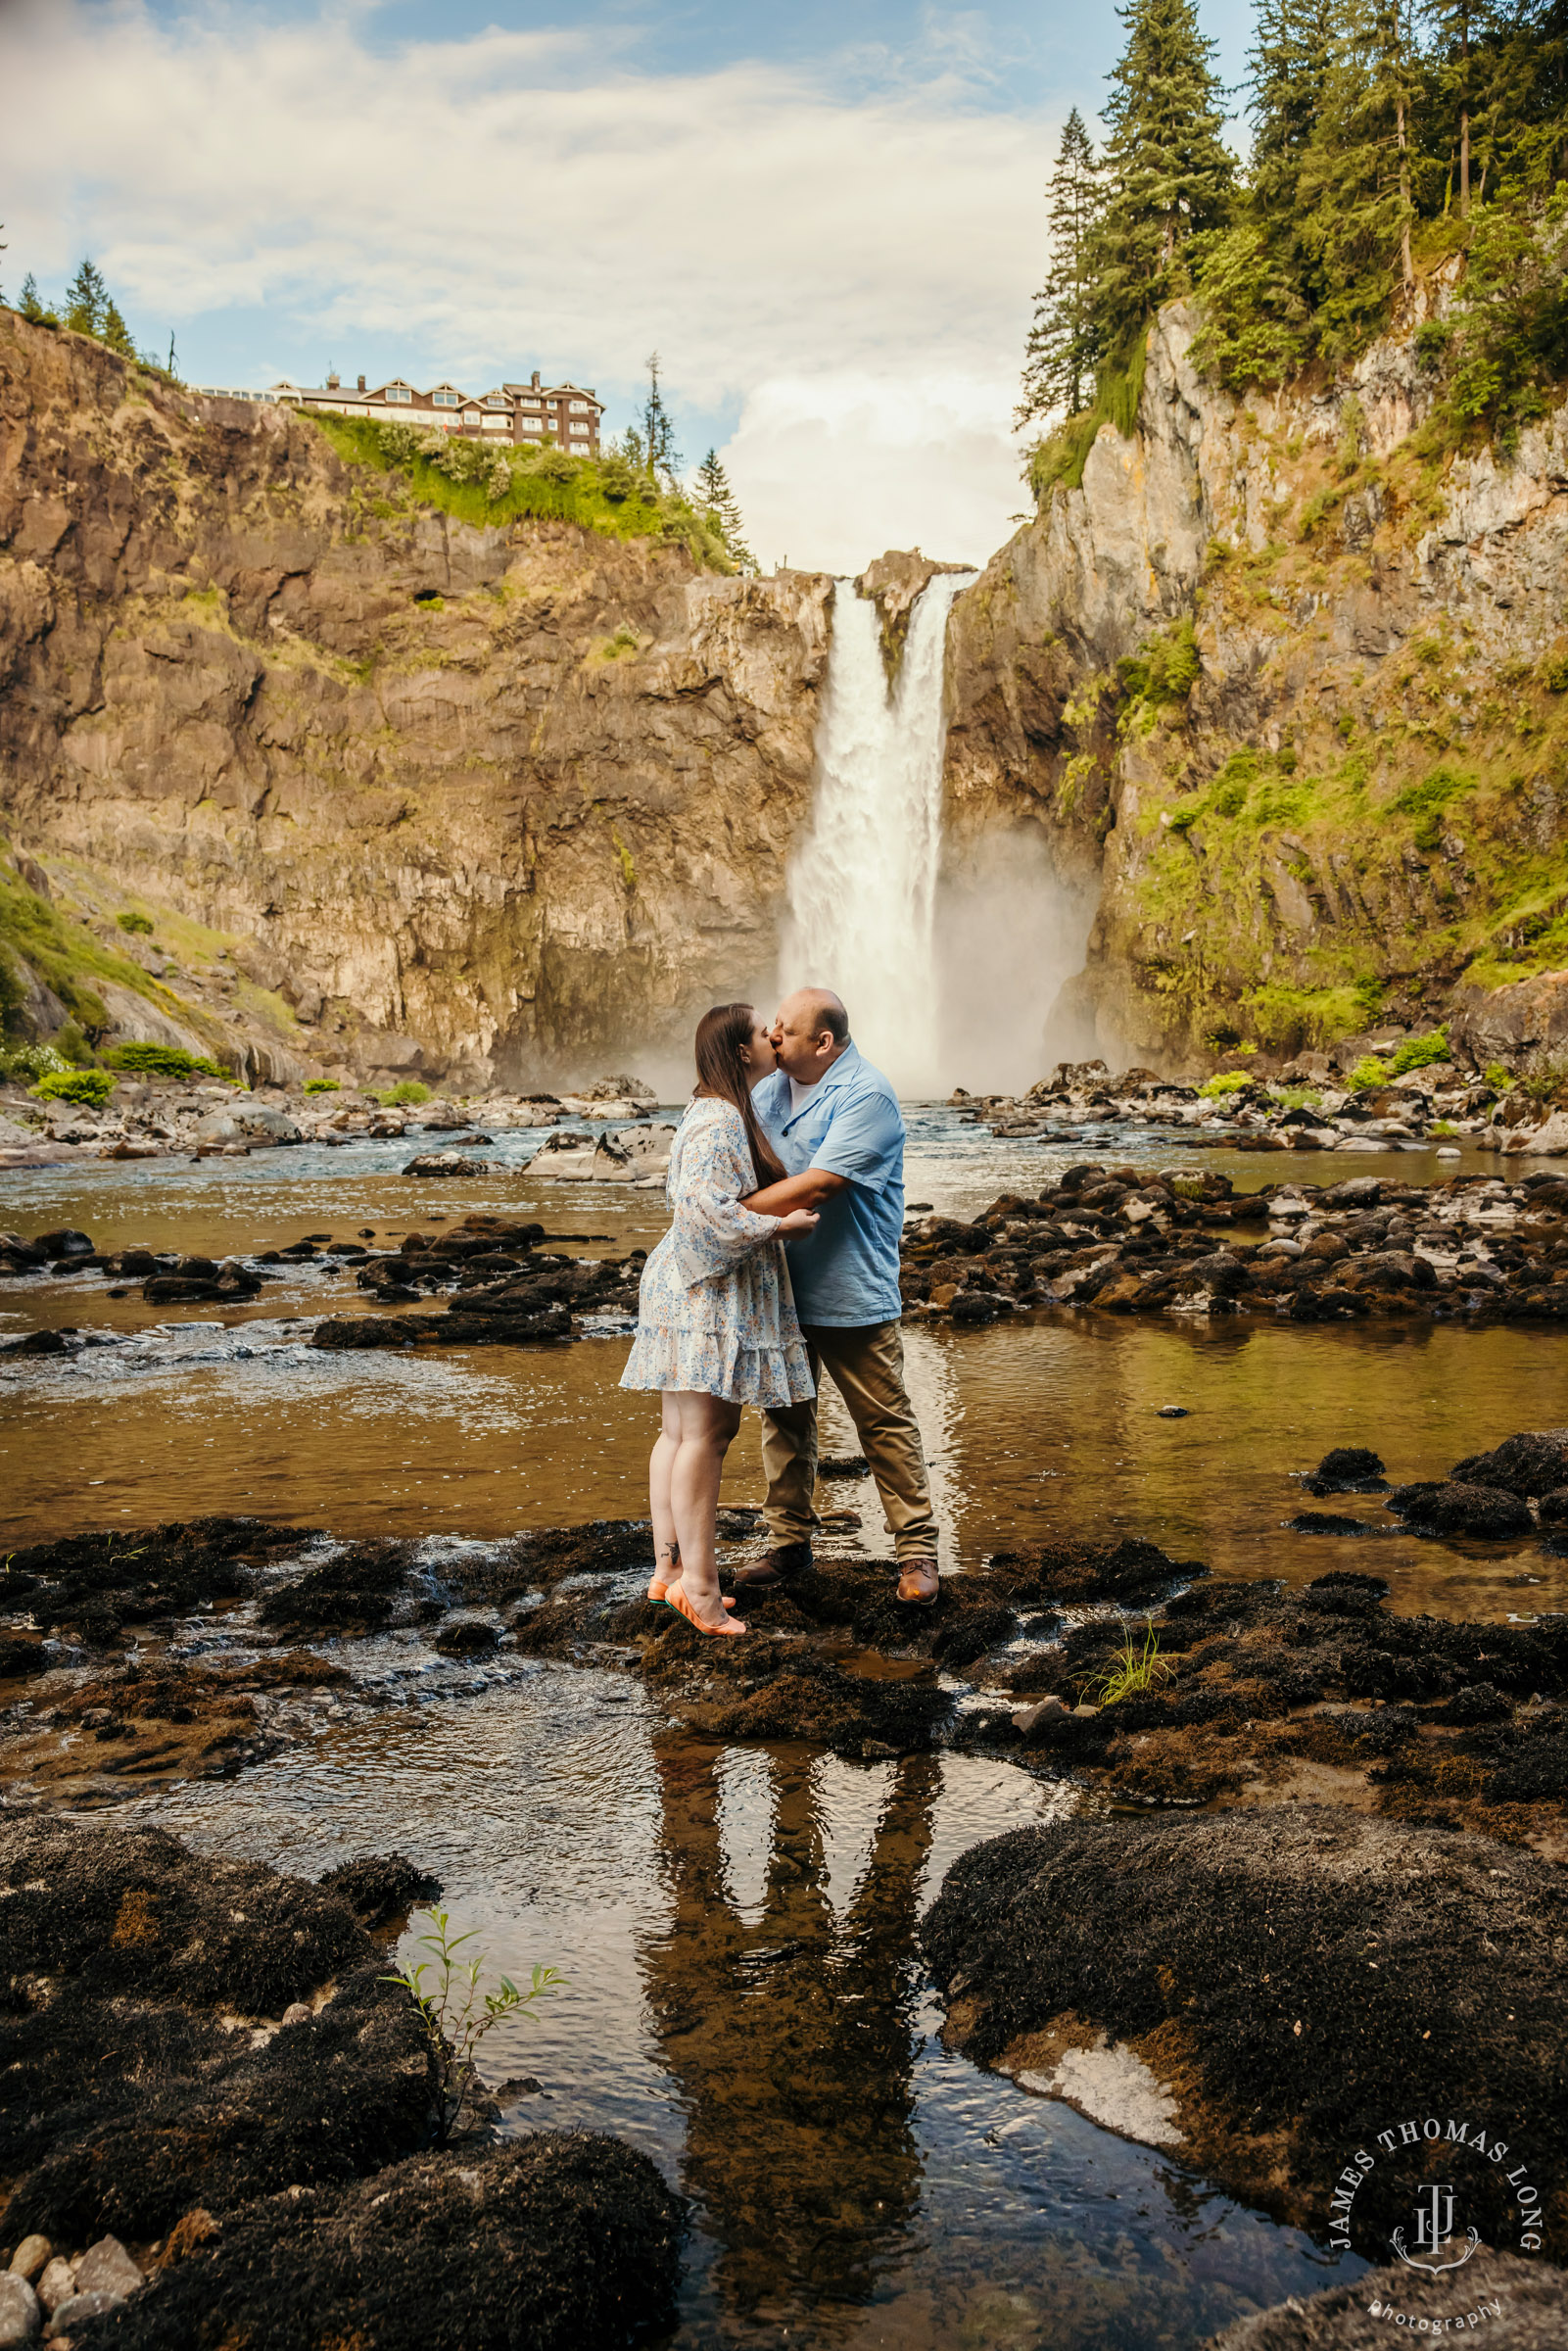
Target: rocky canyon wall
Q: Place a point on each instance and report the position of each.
(1284, 680)
(515, 795)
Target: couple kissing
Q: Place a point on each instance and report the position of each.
(786, 1193)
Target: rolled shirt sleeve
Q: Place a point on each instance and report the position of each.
(865, 1143)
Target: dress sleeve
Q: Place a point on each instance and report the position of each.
(712, 1232)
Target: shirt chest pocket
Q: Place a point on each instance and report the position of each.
(807, 1136)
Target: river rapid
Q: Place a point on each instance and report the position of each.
(738, 1922)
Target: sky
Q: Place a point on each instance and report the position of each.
(828, 219)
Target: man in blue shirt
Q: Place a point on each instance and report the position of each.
(836, 1123)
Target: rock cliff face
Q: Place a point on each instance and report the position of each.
(1285, 676)
(511, 794)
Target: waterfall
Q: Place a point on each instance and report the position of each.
(861, 886)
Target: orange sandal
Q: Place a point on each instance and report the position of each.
(682, 1608)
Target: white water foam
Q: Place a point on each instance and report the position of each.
(950, 970)
(861, 889)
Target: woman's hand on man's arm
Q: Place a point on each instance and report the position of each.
(809, 1189)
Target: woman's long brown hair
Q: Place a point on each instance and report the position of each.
(721, 1036)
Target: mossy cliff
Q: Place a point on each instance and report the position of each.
(1289, 676)
(515, 789)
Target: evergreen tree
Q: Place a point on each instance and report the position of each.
(1060, 354)
(713, 492)
(1171, 176)
(115, 334)
(663, 458)
(32, 306)
(1356, 184)
(1293, 48)
(87, 299)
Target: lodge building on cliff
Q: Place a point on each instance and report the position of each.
(527, 415)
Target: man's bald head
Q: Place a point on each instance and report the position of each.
(810, 1030)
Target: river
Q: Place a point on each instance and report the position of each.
(736, 1923)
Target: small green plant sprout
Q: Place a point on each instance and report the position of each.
(1132, 1672)
(1214, 1089)
(456, 2015)
(89, 1088)
(322, 1085)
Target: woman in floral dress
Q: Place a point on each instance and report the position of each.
(716, 1320)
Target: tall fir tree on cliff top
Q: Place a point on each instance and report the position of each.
(1060, 356)
(713, 492)
(1171, 174)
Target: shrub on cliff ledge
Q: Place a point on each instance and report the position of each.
(498, 486)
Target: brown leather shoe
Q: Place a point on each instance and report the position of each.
(776, 1567)
(919, 1582)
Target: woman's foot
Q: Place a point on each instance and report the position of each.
(700, 1612)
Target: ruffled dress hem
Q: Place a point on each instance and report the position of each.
(706, 1362)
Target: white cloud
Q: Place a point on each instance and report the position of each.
(852, 270)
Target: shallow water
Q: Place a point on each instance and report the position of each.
(1049, 1421)
(737, 1924)
(745, 2001)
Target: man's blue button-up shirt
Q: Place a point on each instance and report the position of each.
(845, 1272)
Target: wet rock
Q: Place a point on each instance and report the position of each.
(1454, 1508)
(807, 1696)
(77, 2308)
(560, 2240)
(56, 2285)
(353, 1592)
(143, 1573)
(1346, 1470)
(36, 1342)
(467, 1637)
(19, 2314)
(130, 2098)
(106, 2267)
(1532, 1464)
(1519, 2304)
(1329, 1522)
(1297, 1980)
(1033, 1721)
(1065, 1571)
(447, 1163)
(380, 1887)
(31, 2256)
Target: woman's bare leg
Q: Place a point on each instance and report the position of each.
(661, 1462)
(707, 1425)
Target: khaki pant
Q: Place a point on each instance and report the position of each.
(866, 1365)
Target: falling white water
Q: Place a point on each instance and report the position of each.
(861, 886)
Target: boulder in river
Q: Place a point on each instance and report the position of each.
(563, 2241)
(1296, 1983)
(1517, 2305)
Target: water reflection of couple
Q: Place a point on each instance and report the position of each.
(786, 1186)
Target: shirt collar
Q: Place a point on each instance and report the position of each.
(839, 1074)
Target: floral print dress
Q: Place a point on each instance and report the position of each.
(715, 1312)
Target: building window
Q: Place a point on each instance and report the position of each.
(497, 399)
(396, 392)
(582, 407)
(446, 400)
(583, 429)
(495, 424)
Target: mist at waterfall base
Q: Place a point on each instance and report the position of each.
(949, 960)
